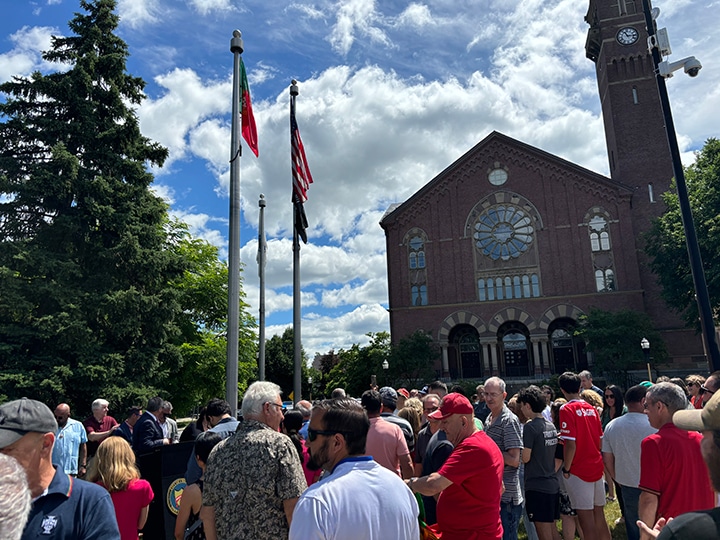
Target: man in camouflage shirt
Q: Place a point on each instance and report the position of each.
(254, 478)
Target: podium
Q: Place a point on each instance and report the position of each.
(164, 468)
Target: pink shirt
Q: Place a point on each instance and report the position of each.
(128, 505)
(386, 443)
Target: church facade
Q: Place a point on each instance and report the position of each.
(499, 255)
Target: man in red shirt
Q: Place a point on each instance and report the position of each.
(99, 426)
(470, 481)
(673, 475)
(583, 467)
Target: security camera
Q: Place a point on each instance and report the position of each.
(690, 65)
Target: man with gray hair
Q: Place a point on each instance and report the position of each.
(14, 498)
(254, 478)
(99, 426)
(503, 427)
(168, 425)
(305, 408)
(63, 508)
(673, 476)
(586, 382)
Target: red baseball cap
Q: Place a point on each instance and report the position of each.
(453, 403)
(403, 392)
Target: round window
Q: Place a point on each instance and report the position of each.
(498, 177)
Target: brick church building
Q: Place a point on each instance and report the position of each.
(499, 255)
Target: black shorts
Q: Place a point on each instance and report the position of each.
(542, 507)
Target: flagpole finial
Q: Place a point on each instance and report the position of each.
(236, 43)
(261, 202)
(293, 88)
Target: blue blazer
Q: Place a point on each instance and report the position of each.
(147, 434)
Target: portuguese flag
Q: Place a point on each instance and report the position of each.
(249, 131)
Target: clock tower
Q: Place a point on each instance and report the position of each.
(638, 151)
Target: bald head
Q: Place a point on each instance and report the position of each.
(62, 413)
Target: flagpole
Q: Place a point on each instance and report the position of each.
(297, 347)
(262, 246)
(231, 365)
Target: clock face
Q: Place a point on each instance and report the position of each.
(627, 36)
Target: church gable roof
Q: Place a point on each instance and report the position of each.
(512, 151)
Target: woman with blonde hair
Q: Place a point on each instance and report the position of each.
(114, 469)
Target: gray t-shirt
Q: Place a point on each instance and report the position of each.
(504, 430)
(622, 438)
(541, 437)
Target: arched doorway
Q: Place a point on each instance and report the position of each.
(514, 343)
(567, 351)
(466, 344)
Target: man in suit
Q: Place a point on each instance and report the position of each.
(147, 433)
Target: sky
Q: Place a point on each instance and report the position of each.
(391, 93)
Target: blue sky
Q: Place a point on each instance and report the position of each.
(391, 93)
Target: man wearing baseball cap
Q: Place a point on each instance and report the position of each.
(63, 507)
(470, 481)
(705, 524)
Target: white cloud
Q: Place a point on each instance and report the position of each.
(26, 55)
(205, 7)
(356, 17)
(137, 13)
(415, 15)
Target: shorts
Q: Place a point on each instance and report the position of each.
(585, 495)
(542, 507)
(566, 508)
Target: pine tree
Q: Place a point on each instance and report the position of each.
(86, 263)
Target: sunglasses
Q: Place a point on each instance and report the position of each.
(430, 409)
(609, 396)
(705, 390)
(313, 433)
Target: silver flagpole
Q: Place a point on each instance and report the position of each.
(262, 248)
(231, 365)
(297, 315)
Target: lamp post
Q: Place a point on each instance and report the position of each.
(385, 366)
(658, 44)
(310, 387)
(645, 346)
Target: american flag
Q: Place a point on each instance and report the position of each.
(300, 170)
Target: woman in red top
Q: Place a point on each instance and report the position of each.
(114, 469)
(694, 382)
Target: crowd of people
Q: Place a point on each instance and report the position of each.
(391, 463)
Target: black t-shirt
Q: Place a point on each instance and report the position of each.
(541, 437)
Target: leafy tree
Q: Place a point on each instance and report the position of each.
(411, 360)
(357, 364)
(203, 321)
(280, 363)
(86, 267)
(614, 339)
(666, 240)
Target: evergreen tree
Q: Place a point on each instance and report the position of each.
(87, 308)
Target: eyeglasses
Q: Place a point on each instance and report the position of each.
(647, 405)
(430, 409)
(609, 396)
(313, 433)
(691, 384)
(278, 405)
(705, 390)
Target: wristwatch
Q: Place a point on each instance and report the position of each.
(565, 471)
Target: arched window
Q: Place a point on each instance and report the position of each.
(415, 241)
(516, 286)
(535, 285)
(413, 260)
(482, 295)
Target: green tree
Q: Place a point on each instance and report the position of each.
(357, 364)
(412, 359)
(86, 268)
(666, 240)
(614, 339)
(280, 363)
(202, 340)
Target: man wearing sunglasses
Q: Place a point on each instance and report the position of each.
(357, 499)
(712, 385)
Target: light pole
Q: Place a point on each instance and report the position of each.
(645, 346)
(310, 387)
(385, 366)
(658, 43)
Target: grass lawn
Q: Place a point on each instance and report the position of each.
(612, 512)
